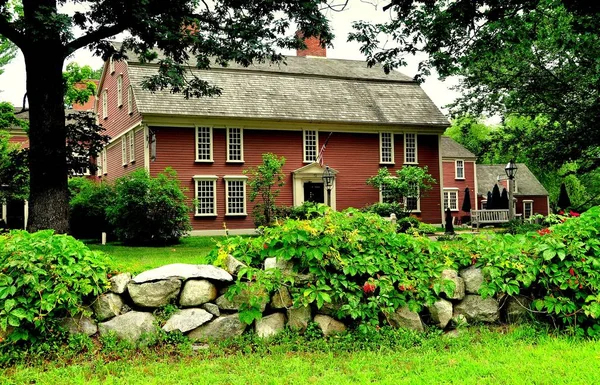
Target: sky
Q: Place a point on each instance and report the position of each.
(12, 82)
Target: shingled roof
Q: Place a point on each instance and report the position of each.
(527, 183)
(452, 149)
(303, 89)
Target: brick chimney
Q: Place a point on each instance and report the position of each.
(313, 47)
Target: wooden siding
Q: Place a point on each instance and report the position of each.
(354, 156)
(118, 119)
(115, 160)
(450, 181)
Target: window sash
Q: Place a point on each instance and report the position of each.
(310, 140)
(105, 104)
(235, 140)
(235, 196)
(111, 65)
(206, 198)
(132, 146)
(120, 91)
(129, 99)
(104, 162)
(410, 147)
(451, 200)
(460, 169)
(411, 202)
(527, 209)
(386, 147)
(204, 139)
(124, 150)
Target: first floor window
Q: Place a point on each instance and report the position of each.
(386, 147)
(104, 162)
(124, 149)
(206, 199)
(411, 201)
(527, 209)
(451, 200)
(310, 145)
(235, 190)
(132, 146)
(99, 164)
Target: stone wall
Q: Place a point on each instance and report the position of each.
(204, 312)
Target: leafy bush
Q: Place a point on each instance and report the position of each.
(149, 210)
(44, 277)
(407, 224)
(264, 181)
(385, 209)
(517, 226)
(87, 205)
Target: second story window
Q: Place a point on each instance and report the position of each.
(111, 65)
(204, 136)
(120, 91)
(410, 147)
(105, 104)
(129, 100)
(235, 145)
(460, 169)
(386, 147)
(310, 140)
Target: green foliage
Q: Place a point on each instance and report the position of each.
(78, 85)
(44, 277)
(307, 210)
(264, 181)
(517, 226)
(87, 205)
(149, 210)
(385, 209)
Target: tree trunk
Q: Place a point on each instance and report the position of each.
(48, 196)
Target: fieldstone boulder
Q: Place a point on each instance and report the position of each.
(441, 312)
(477, 309)
(302, 279)
(187, 319)
(328, 325)
(299, 317)
(459, 285)
(184, 271)
(281, 299)
(221, 328)
(281, 264)
(212, 309)
(79, 325)
(330, 308)
(130, 326)
(239, 299)
(270, 325)
(107, 306)
(233, 265)
(154, 294)
(473, 278)
(197, 292)
(404, 318)
(118, 283)
(459, 320)
(517, 309)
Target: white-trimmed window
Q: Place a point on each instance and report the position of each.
(412, 201)
(386, 148)
(111, 65)
(410, 148)
(104, 162)
(451, 199)
(235, 145)
(105, 104)
(235, 195)
(131, 146)
(124, 150)
(204, 139)
(527, 208)
(99, 164)
(459, 167)
(310, 140)
(206, 196)
(130, 100)
(120, 91)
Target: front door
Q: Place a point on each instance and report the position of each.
(314, 192)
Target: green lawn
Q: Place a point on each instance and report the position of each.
(137, 259)
(494, 358)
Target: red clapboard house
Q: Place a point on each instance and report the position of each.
(368, 119)
(459, 174)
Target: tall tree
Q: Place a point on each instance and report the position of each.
(524, 57)
(227, 30)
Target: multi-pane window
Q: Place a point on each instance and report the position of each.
(451, 200)
(99, 164)
(111, 65)
(527, 209)
(105, 104)
(124, 150)
(129, 99)
(235, 194)
(386, 147)
(410, 147)
(204, 144)
(310, 145)
(104, 163)
(460, 169)
(235, 143)
(206, 198)
(131, 146)
(120, 91)
(411, 201)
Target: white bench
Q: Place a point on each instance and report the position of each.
(479, 217)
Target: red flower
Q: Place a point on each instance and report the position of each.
(401, 287)
(571, 271)
(561, 212)
(369, 288)
(544, 231)
(573, 213)
(265, 246)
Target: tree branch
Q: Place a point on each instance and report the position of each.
(7, 30)
(102, 32)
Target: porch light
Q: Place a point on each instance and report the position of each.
(328, 182)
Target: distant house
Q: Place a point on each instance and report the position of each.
(458, 165)
(530, 197)
(371, 119)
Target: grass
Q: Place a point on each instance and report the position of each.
(135, 259)
(475, 357)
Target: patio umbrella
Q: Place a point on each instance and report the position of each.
(466, 206)
(504, 199)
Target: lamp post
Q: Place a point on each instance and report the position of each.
(328, 181)
(511, 171)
